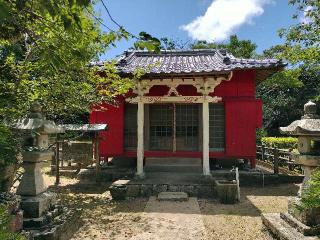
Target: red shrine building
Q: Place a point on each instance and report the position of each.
(189, 104)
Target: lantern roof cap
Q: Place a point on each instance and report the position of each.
(308, 125)
(37, 122)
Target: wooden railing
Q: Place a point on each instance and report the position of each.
(278, 159)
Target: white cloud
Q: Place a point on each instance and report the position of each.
(223, 17)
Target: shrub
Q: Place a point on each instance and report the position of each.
(280, 142)
(261, 133)
(8, 147)
(4, 226)
(311, 196)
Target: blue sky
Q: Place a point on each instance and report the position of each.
(257, 20)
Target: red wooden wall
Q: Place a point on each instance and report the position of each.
(243, 115)
(112, 140)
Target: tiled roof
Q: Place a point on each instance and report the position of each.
(190, 62)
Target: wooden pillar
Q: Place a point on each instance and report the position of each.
(205, 135)
(276, 161)
(97, 154)
(140, 145)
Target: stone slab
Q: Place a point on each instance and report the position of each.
(309, 217)
(171, 220)
(34, 207)
(281, 229)
(295, 223)
(120, 182)
(173, 196)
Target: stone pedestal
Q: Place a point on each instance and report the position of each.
(36, 206)
(32, 182)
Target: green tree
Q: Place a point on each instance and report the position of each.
(45, 51)
(239, 48)
(285, 93)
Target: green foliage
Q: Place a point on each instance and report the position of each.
(285, 93)
(311, 196)
(145, 40)
(45, 51)
(5, 234)
(280, 142)
(239, 48)
(8, 152)
(260, 133)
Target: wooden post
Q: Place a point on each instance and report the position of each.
(140, 144)
(97, 154)
(262, 153)
(205, 135)
(276, 161)
(57, 163)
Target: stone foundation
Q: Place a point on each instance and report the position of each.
(62, 226)
(122, 189)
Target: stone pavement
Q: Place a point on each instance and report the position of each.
(173, 220)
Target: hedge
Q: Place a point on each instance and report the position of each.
(280, 142)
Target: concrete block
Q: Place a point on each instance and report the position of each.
(173, 196)
(226, 191)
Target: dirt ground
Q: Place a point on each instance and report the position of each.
(104, 218)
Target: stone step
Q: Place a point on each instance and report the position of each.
(174, 161)
(173, 196)
(296, 224)
(186, 168)
(281, 229)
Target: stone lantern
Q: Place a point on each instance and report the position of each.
(308, 132)
(32, 188)
(300, 223)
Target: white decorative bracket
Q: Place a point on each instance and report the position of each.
(174, 99)
(204, 85)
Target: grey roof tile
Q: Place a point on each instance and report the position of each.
(190, 61)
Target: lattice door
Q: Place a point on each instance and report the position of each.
(187, 127)
(161, 127)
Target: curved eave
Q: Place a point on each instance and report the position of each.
(304, 127)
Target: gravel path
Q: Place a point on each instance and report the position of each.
(173, 220)
(142, 218)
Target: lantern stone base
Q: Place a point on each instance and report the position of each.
(60, 223)
(34, 207)
(296, 224)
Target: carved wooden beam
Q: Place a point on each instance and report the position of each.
(173, 99)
